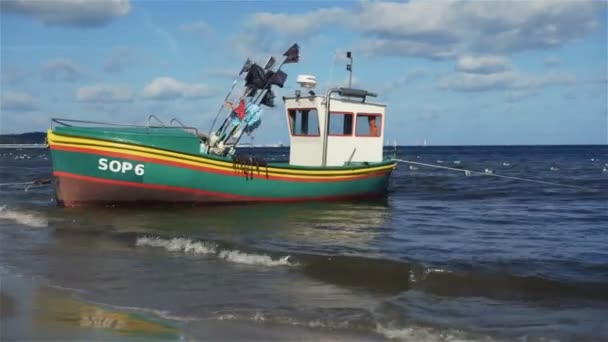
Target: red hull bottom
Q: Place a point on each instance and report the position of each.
(74, 192)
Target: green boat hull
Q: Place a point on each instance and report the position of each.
(94, 167)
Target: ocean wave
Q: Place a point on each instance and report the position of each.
(397, 276)
(210, 248)
(287, 319)
(253, 259)
(368, 325)
(22, 217)
(178, 245)
(392, 276)
(416, 333)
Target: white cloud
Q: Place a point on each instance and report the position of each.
(119, 58)
(507, 80)
(410, 77)
(224, 73)
(13, 74)
(411, 48)
(482, 64)
(198, 27)
(551, 61)
(446, 29)
(161, 33)
(520, 95)
(429, 113)
(62, 70)
(296, 25)
(167, 88)
(79, 13)
(104, 93)
(274, 32)
(18, 102)
(415, 74)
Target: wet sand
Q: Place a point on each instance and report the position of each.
(33, 311)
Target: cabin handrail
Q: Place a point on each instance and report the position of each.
(176, 120)
(65, 122)
(152, 116)
(184, 126)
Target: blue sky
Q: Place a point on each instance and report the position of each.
(451, 72)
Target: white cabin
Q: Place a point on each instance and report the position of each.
(342, 130)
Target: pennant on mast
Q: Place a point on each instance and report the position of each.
(292, 55)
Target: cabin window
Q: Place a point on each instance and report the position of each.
(368, 125)
(304, 122)
(340, 124)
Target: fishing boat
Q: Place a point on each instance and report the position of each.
(335, 150)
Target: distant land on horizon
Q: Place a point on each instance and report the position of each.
(23, 138)
(39, 138)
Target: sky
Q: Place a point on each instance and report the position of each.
(450, 72)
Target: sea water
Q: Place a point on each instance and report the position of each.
(444, 257)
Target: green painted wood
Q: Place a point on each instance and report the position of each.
(235, 183)
(181, 141)
(169, 138)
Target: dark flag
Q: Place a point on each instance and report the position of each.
(246, 66)
(268, 99)
(270, 63)
(255, 77)
(278, 78)
(292, 55)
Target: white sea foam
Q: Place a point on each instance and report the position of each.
(253, 259)
(22, 217)
(260, 317)
(416, 333)
(178, 245)
(202, 247)
(226, 317)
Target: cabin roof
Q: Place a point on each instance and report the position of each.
(342, 99)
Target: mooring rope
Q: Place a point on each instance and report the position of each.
(470, 172)
(38, 181)
(15, 184)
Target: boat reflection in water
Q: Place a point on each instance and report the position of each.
(352, 224)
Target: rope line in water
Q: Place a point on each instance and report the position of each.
(39, 181)
(12, 184)
(469, 172)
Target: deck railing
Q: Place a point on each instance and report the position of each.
(72, 122)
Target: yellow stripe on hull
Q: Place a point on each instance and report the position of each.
(147, 152)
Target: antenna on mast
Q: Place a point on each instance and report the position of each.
(349, 67)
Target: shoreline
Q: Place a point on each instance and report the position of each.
(33, 311)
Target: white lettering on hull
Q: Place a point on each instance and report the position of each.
(117, 166)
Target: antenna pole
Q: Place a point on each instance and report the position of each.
(349, 67)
